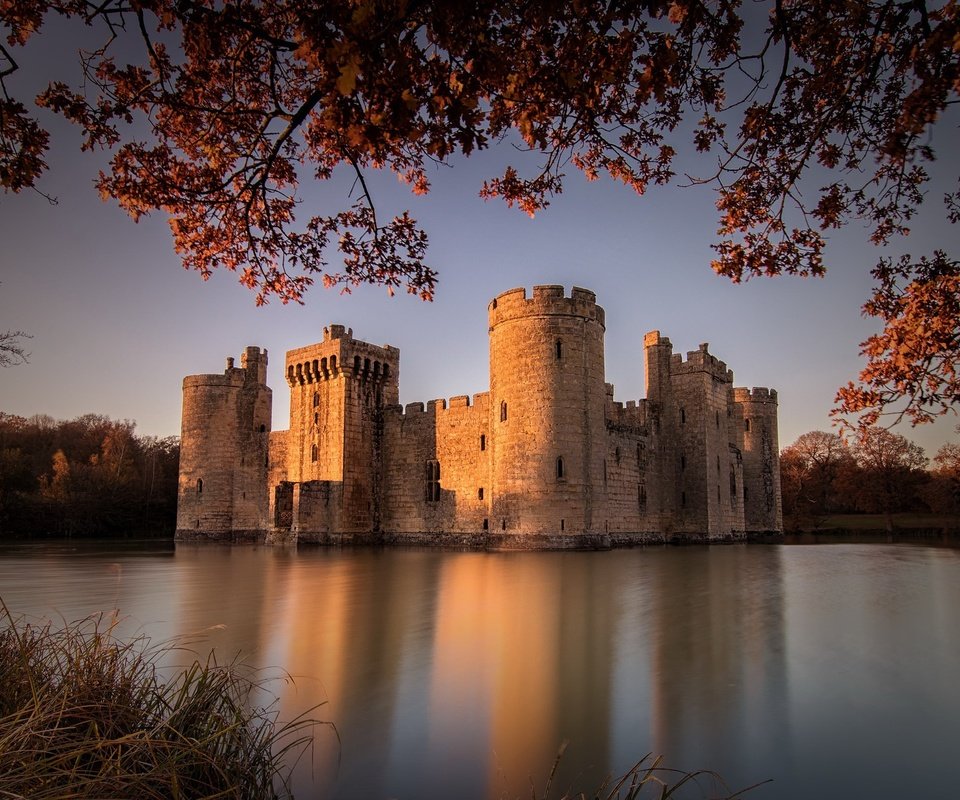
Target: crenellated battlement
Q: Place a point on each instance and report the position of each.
(632, 414)
(340, 354)
(700, 360)
(252, 369)
(759, 394)
(439, 406)
(337, 332)
(546, 301)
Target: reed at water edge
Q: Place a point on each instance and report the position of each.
(84, 715)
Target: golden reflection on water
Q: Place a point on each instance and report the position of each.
(460, 674)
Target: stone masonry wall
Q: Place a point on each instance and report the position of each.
(701, 388)
(225, 426)
(444, 439)
(547, 455)
(339, 388)
(754, 419)
(547, 397)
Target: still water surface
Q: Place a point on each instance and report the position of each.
(832, 669)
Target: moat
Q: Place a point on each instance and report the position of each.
(830, 669)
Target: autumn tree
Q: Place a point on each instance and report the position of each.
(943, 491)
(805, 115)
(890, 470)
(90, 475)
(809, 469)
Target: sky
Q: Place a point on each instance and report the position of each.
(116, 322)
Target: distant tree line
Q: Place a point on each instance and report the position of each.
(878, 472)
(87, 476)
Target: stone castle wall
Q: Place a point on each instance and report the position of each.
(437, 475)
(546, 455)
(547, 395)
(225, 426)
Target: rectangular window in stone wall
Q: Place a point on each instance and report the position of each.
(432, 493)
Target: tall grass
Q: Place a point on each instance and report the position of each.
(648, 779)
(84, 715)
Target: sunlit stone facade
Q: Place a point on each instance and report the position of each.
(546, 457)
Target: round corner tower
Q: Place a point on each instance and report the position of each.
(223, 451)
(547, 395)
(756, 419)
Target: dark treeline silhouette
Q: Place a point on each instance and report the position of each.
(878, 472)
(89, 476)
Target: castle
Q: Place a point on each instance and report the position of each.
(546, 457)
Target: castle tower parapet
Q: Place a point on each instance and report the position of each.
(339, 388)
(546, 301)
(754, 421)
(547, 403)
(224, 442)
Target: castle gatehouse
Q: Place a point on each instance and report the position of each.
(546, 457)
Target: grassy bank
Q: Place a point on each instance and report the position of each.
(83, 715)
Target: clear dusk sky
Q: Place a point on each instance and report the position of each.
(117, 322)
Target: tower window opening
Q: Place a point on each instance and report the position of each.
(562, 524)
(356, 365)
(483, 441)
(746, 424)
(333, 363)
(604, 472)
(718, 419)
(316, 418)
(733, 484)
(718, 462)
(480, 493)
(642, 497)
(386, 371)
(503, 524)
(616, 455)
(718, 492)
(683, 499)
(316, 399)
(263, 429)
(313, 453)
(486, 524)
(560, 468)
(559, 349)
(503, 410)
(746, 494)
(199, 485)
(683, 416)
(683, 463)
(432, 481)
